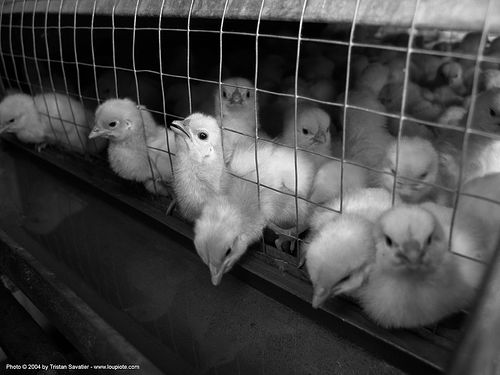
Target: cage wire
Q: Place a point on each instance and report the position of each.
(27, 44)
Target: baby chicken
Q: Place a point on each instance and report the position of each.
(313, 129)
(373, 78)
(236, 112)
(47, 119)
(483, 153)
(327, 180)
(137, 146)
(338, 256)
(415, 280)
(228, 224)
(419, 161)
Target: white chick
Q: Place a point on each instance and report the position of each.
(238, 112)
(47, 119)
(199, 168)
(453, 74)
(313, 129)
(228, 224)
(338, 255)
(415, 280)
(484, 211)
(137, 145)
(483, 153)
(366, 135)
(490, 78)
(418, 161)
(368, 203)
(453, 115)
(327, 180)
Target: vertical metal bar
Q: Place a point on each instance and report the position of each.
(164, 106)
(11, 47)
(113, 48)
(50, 76)
(221, 33)
(346, 96)
(151, 168)
(37, 67)
(93, 52)
(23, 51)
(77, 125)
(295, 98)
(257, 31)
(465, 143)
(188, 56)
(479, 349)
(2, 52)
(404, 96)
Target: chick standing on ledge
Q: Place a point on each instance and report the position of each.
(137, 146)
(47, 119)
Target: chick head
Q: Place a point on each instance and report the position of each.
(418, 161)
(199, 135)
(236, 93)
(453, 73)
(338, 256)
(409, 239)
(117, 119)
(313, 127)
(486, 114)
(218, 237)
(14, 111)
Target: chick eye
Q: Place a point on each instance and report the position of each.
(202, 135)
(429, 240)
(388, 240)
(305, 131)
(393, 171)
(112, 124)
(224, 94)
(228, 251)
(11, 120)
(423, 175)
(492, 112)
(248, 94)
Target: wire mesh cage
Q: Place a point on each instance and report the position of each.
(350, 95)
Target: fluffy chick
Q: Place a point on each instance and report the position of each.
(137, 145)
(47, 119)
(418, 161)
(228, 224)
(338, 255)
(373, 78)
(415, 280)
(313, 129)
(238, 112)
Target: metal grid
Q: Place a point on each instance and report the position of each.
(15, 23)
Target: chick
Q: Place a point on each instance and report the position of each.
(137, 145)
(236, 112)
(228, 224)
(313, 129)
(338, 256)
(327, 180)
(415, 280)
(368, 203)
(47, 119)
(199, 167)
(483, 153)
(419, 162)
(366, 135)
(373, 78)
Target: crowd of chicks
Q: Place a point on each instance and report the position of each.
(398, 247)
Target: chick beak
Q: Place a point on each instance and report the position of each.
(98, 132)
(320, 137)
(179, 127)
(320, 295)
(4, 128)
(217, 272)
(236, 98)
(412, 251)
